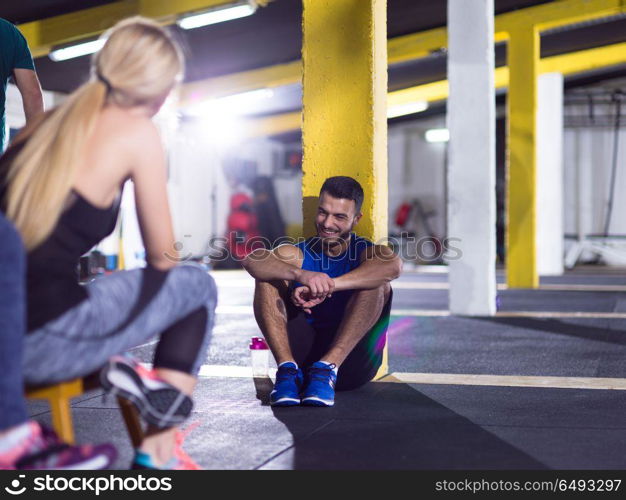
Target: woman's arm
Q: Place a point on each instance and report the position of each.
(149, 174)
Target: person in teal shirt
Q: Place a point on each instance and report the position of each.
(17, 62)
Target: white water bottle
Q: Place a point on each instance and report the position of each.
(260, 356)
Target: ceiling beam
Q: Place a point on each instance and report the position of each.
(423, 43)
(269, 77)
(272, 125)
(44, 35)
(567, 64)
(559, 13)
(410, 47)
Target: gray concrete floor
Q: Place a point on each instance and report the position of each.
(390, 425)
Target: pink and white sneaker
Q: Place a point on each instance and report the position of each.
(159, 403)
(41, 449)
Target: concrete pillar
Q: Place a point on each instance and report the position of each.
(550, 231)
(471, 160)
(523, 59)
(584, 183)
(344, 53)
(344, 132)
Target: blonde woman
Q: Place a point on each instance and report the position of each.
(60, 185)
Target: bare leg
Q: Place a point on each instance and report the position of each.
(159, 443)
(270, 311)
(362, 313)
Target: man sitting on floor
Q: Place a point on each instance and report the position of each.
(324, 304)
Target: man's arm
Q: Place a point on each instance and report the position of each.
(28, 85)
(285, 263)
(282, 263)
(379, 265)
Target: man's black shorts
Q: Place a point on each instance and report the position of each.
(309, 344)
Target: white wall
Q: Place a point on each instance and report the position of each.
(588, 153)
(15, 118)
(199, 188)
(15, 111)
(417, 170)
(289, 195)
(588, 157)
(267, 153)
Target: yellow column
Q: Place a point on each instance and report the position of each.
(523, 58)
(344, 105)
(121, 263)
(344, 54)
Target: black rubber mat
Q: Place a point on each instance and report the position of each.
(411, 426)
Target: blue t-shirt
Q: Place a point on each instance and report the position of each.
(14, 54)
(328, 314)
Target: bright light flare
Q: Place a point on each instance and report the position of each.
(236, 104)
(81, 49)
(437, 135)
(216, 16)
(407, 109)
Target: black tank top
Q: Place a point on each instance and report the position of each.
(52, 268)
(52, 286)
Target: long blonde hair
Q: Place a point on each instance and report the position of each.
(138, 65)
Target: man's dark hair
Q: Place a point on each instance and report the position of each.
(344, 187)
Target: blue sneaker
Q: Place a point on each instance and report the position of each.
(287, 386)
(143, 461)
(320, 388)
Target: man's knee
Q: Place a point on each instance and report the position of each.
(271, 297)
(353, 377)
(383, 291)
(386, 289)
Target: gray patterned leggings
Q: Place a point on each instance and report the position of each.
(125, 310)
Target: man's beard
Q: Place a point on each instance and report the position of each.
(336, 239)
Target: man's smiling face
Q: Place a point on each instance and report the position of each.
(336, 217)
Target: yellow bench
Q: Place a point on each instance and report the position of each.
(59, 396)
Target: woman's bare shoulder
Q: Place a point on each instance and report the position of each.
(122, 145)
(125, 124)
(135, 139)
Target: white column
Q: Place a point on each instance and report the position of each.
(471, 160)
(550, 175)
(585, 183)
